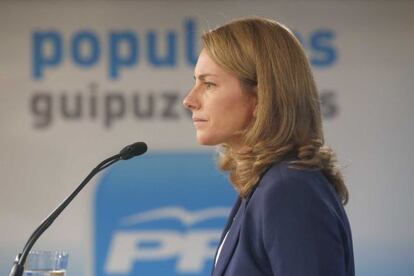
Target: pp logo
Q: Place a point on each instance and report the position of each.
(192, 248)
(160, 215)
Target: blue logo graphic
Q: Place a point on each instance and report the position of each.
(160, 214)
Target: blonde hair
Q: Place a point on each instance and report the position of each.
(270, 63)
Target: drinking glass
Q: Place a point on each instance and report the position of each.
(46, 263)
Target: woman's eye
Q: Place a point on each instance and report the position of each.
(209, 85)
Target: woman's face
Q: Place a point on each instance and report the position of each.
(221, 110)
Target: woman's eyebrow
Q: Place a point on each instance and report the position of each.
(203, 76)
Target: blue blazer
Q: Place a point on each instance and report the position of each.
(291, 224)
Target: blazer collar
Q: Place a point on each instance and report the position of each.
(231, 218)
(231, 240)
(233, 228)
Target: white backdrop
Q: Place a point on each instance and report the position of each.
(363, 58)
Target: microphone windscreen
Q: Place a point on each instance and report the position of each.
(133, 150)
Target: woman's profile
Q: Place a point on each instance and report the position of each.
(255, 96)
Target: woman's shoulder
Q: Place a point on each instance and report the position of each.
(283, 185)
(284, 176)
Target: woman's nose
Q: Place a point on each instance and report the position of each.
(190, 101)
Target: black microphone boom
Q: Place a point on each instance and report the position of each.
(126, 153)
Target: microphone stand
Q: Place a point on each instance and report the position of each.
(126, 153)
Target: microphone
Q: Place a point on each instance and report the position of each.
(126, 153)
(135, 149)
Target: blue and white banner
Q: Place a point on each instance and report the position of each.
(160, 215)
(81, 79)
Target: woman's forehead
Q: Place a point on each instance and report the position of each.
(206, 67)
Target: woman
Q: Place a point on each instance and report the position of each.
(254, 95)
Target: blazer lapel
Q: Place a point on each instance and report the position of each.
(230, 242)
(229, 221)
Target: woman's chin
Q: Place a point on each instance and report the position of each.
(206, 141)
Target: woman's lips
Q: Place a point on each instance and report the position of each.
(196, 119)
(198, 122)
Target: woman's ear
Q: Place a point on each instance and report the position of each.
(254, 102)
(255, 111)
